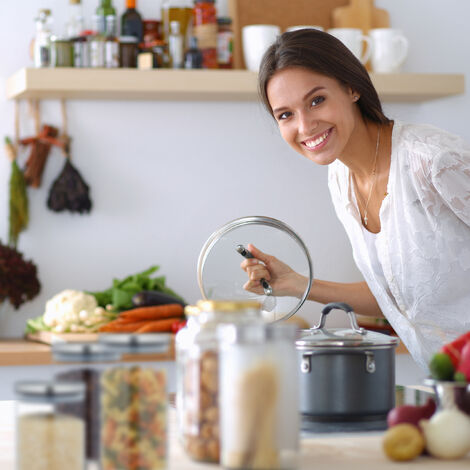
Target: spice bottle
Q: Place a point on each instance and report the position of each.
(45, 436)
(97, 43)
(175, 46)
(134, 405)
(224, 43)
(205, 29)
(197, 394)
(259, 418)
(111, 46)
(193, 56)
(42, 39)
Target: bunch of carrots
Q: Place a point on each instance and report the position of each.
(153, 319)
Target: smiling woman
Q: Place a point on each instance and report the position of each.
(401, 191)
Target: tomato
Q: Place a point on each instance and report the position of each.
(177, 325)
(454, 348)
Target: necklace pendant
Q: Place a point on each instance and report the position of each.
(365, 220)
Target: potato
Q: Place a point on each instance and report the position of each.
(403, 442)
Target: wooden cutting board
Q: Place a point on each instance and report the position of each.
(48, 337)
(360, 14)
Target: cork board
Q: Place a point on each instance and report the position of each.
(283, 13)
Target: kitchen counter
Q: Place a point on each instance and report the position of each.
(320, 451)
(18, 352)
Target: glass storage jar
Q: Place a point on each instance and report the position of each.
(86, 362)
(134, 405)
(62, 52)
(197, 399)
(259, 422)
(49, 439)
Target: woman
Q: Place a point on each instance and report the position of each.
(401, 191)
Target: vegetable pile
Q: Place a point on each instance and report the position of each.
(445, 432)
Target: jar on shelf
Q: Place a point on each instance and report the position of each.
(46, 437)
(259, 416)
(160, 55)
(61, 52)
(197, 395)
(205, 30)
(85, 363)
(224, 43)
(134, 403)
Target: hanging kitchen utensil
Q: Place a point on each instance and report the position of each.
(18, 204)
(69, 190)
(220, 276)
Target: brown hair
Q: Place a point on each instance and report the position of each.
(324, 54)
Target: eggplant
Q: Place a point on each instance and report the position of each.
(147, 298)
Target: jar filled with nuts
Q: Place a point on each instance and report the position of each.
(197, 396)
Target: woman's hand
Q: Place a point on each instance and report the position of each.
(283, 279)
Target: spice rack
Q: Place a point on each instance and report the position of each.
(199, 85)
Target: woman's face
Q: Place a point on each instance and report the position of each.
(316, 114)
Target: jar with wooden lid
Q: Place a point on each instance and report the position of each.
(197, 399)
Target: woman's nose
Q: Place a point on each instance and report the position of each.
(307, 124)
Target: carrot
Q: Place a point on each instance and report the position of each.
(154, 312)
(158, 326)
(116, 327)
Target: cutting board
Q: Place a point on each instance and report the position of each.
(360, 14)
(48, 337)
(283, 13)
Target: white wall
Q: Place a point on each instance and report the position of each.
(165, 175)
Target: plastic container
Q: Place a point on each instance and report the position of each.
(197, 399)
(259, 418)
(134, 405)
(46, 437)
(94, 358)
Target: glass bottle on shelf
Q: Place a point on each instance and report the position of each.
(224, 43)
(75, 23)
(42, 39)
(105, 8)
(111, 52)
(177, 10)
(131, 22)
(97, 43)
(193, 56)
(205, 29)
(175, 45)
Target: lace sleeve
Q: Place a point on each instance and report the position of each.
(450, 175)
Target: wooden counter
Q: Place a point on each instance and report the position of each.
(18, 352)
(317, 451)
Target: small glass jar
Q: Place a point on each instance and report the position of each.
(197, 399)
(224, 43)
(93, 358)
(81, 52)
(134, 405)
(46, 437)
(259, 422)
(128, 51)
(62, 52)
(161, 55)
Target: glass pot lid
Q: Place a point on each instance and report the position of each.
(220, 276)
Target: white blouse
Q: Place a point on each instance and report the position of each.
(422, 281)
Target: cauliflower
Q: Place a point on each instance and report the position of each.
(71, 310)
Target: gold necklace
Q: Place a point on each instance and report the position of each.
(374, 175)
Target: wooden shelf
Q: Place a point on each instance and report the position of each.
(199, 85)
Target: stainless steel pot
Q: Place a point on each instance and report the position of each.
(345, 374)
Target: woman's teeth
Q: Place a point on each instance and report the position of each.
(314, 143)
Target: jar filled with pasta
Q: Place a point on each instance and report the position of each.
(49, 439)
(197, 395)
(85, 362)
(259, 419)
(134, 405)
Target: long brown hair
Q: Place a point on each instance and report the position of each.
(324, 54)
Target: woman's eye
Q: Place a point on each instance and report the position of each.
(284, 115)
(317, 100)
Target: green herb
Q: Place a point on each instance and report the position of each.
(121, 293)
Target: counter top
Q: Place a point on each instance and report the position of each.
(19, 352)
(320, 451)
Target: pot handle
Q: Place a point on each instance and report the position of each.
(340, 306)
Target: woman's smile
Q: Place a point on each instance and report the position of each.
(318, 141)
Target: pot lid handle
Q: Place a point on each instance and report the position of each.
(340, 306)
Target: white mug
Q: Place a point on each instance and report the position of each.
(356, 42)
(389, 50)
(256, 38)
(296, 28)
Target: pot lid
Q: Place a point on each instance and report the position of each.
(84, 352)
(355, 337)
(50, 391)
(148, 343)
(220, 276)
